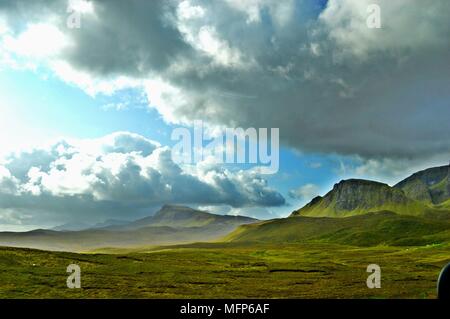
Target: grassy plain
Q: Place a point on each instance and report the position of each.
(226, 270)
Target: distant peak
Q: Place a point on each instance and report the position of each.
(176, 209)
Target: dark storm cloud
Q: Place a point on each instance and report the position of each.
(131, 37)
(123, 37)
(327, 81)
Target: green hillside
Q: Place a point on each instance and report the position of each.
(356, 197)
(382, 228)
(431, 186)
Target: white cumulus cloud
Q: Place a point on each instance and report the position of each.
(119, 175)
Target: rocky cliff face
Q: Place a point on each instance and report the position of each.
(356, 197)
(361, 194)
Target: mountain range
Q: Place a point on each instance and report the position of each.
(417, 195)
(172, 224)
(355, 212)
(415, 211)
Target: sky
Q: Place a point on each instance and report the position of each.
(91, 92)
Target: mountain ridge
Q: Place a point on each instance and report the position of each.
(431, 185)
(173, 224)
(418, 194)
(177, 216)
(358, 196)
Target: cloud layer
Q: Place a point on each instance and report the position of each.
(120, 175)
(311, 68)
(321, 75)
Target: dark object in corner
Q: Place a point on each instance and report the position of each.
(444, 283)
